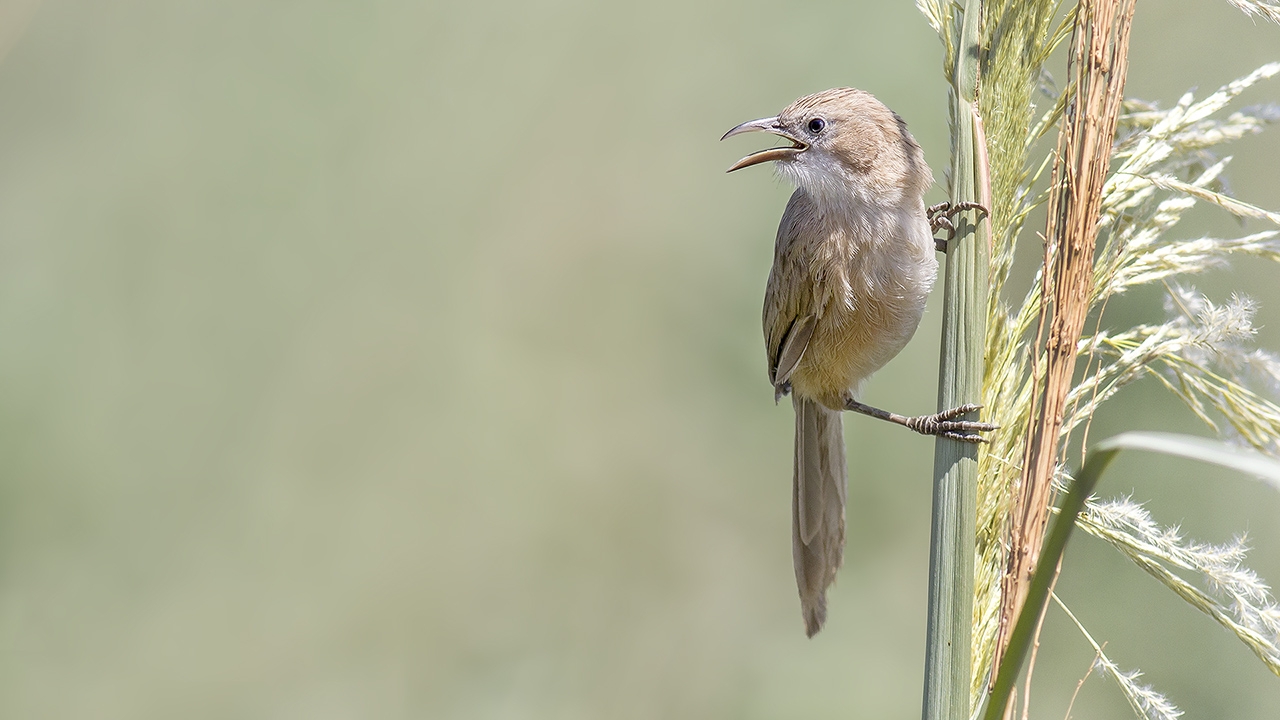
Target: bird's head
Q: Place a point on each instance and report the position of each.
(842, 140)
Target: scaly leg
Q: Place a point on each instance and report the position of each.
(940, 218)
(942, 424)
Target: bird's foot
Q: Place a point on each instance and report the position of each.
(945, 425)
(941, 424)
(940, 219)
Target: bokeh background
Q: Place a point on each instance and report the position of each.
(402, 360)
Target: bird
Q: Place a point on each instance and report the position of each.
(854, 262)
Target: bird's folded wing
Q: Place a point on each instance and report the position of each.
(792, 350)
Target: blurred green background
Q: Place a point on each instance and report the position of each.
(402, 360)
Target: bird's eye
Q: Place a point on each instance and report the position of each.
(817, 125)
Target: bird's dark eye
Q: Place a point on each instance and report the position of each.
(817, 125)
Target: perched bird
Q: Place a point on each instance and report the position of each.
(853, 265)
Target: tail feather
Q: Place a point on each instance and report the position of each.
(817, 506)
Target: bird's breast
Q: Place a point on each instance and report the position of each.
(870, 279)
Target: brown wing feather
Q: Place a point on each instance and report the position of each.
(789, 315)
(791, 352)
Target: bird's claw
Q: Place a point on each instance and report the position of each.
(940, 219)
(945, 425)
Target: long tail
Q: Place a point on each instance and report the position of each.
(817, 506)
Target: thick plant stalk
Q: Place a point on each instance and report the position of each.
(1100, 60)
(950, 620)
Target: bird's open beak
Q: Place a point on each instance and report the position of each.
(770, 125)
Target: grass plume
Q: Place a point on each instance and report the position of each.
(1164, 162)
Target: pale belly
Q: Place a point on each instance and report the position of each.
(849, 345)
(865, 275)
